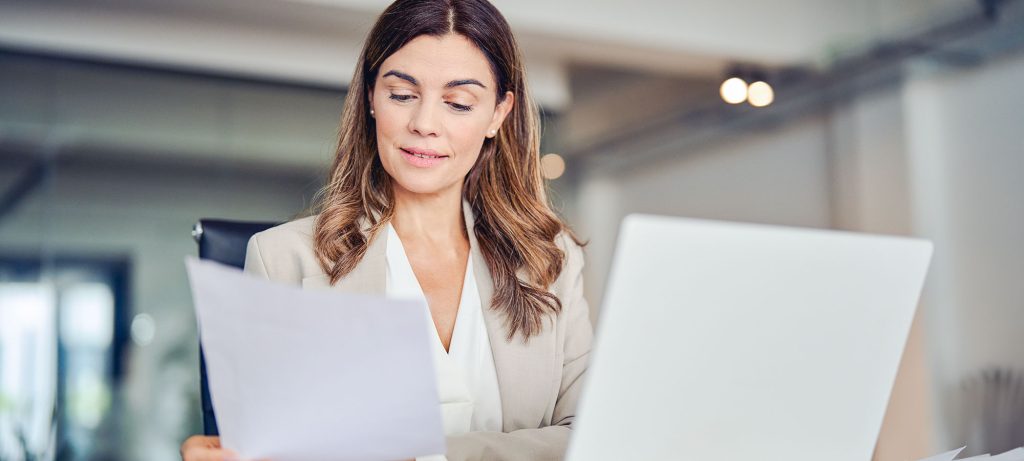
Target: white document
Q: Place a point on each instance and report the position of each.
(310, 375)
(947, 456)
(1017, 454)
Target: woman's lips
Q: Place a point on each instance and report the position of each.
(422, 158)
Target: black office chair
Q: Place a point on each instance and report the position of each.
(224, 242)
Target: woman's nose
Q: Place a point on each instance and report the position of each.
(425, 120)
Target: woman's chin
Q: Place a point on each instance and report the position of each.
(423, 186)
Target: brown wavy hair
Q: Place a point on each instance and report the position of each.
(515, 227)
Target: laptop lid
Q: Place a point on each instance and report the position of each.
(727, 341)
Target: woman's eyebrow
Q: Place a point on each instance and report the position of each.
(451, 84)
(465, 81)
(402, 75)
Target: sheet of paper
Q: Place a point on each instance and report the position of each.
(947, 456)
(308, 375)
(1017, 454)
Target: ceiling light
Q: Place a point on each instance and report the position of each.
(760, 94)
(734, 90)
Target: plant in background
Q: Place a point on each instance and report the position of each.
(992, 410)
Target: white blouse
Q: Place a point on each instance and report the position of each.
(466, 379)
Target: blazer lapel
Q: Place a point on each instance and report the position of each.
(525, 370)
(369, 277)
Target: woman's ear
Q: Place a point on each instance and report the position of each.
(500, 112)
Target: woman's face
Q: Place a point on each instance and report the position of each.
(434, 102)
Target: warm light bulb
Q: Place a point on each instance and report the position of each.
(760, 94)
(734, 90)
(552, 166)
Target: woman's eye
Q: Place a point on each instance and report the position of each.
(407, 97)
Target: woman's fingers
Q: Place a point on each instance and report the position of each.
(205, 448)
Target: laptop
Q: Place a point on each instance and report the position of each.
(725, 341)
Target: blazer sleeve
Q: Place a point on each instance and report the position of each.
(545, 443)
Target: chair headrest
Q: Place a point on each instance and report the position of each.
(225, 241)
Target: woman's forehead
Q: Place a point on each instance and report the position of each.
(437, 61)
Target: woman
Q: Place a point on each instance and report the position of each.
(436, 193)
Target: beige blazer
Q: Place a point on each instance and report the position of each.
(539, 380)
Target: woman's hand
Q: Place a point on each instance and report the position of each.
(205, 448)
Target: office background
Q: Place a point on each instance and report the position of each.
(123, 122)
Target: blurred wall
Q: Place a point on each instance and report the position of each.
(967, 156)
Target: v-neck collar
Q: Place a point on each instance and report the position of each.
(406, 285)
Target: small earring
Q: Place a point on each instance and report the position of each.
(493, 132)
(371, 112)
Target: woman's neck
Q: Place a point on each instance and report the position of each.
(432, 219)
